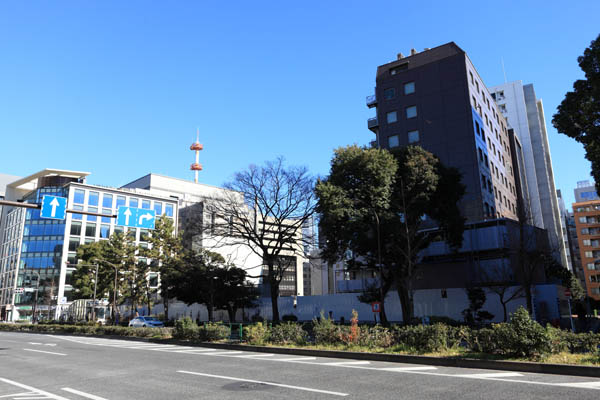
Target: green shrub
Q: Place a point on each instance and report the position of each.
(289, 318)
(326, 331)
(375, 336)
(186, 329)
(430, 338)
(288, 333)
(213, 331)
(257, 334)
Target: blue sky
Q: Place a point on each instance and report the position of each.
(118, 88)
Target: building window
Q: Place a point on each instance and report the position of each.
(471, 75)
(133, 202)
(411, 112)
(588, 254)
(78, 196)
(107, 200)
(158, 208)
(582, 219)
(586, 242)
(106, 211)
(585, 231)
(93, 199)
(409, 88)
(73, 243)
(92, 217)
(413, 136)
(104, 231)
(120, 201)
(591, 266)
(393, 141)
(389, 93)
(90, 230)
(76, 228)
(399, 68)
(392, 117)
(146, 204)
(169, 210)
(77, 216)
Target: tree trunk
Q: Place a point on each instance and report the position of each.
(504, 309)
(274, 286)
(209, 308)
(166, 304)
(529, 298)
(231, 312)
(406, 304)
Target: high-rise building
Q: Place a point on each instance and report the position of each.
(525, 115)
(436, 99)
(585, 191)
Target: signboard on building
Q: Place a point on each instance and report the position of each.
(376, 306)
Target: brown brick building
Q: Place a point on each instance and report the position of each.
(587, 222)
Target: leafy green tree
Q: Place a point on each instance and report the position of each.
(474, 315)
(578, 114)
(234, 291)
(166, 253)
(377, 204)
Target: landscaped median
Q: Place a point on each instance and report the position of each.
(519, 345)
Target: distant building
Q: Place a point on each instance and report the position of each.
(587, 221)
(525, 115)
(585, 191)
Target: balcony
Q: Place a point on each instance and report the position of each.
(373, 124)
(371, 101)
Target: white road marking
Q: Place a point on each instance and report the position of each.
(400, 369)
(224, 353)
(36, 343)
(16, 394)
(46, 352)
(342, 363)
(194, 351)
(585, 385)
(32, 389)
(265, 383)
(296, 359)
(491, 375)
(150, 346)
(83, 394)
(255, 355)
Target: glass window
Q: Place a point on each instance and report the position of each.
(107, 200)
(93, 199)
(133, 202)
(169, 210)
(92, 217)
(120, 201)
(75, 228)
(78, 196)
(411, 112)
(389, 93)
(77, 216)
(158, 208)
(582, 219)
(409, 88)
(104, 231)
(393, 141)
(586, 242)
(131, 233)
(118, 229)
(144, 235)
(106, 211)
(392, 117)
(146, 204)
(413, 136)
(588, 254)
(73, 243)
(90, 230)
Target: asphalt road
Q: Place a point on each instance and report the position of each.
(35, 366)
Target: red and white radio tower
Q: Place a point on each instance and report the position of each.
(196, 146)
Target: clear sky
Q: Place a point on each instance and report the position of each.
(118, 88)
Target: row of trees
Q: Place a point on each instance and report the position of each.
(200, 277)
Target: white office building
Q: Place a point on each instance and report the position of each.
(525, 115)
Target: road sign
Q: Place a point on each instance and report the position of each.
(567, 293)
(62, 300)
(54, 207)
(376, 306)
(136, 217)
(29, 290)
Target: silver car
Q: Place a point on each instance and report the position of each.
(143, 322)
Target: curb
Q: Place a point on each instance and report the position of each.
(516, 366)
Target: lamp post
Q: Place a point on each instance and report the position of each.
(37, 288)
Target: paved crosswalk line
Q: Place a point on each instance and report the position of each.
(195, 351)
(256, 355)
(400, 369)
(224, 353)
(296, 359)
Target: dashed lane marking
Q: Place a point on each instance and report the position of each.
(224, 353)
(231, 378)
(255, 355)
(400, 369)
(491, 375)
(46, 352)
(194, 351)
(343, 363)
(295, 359)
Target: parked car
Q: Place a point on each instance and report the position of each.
(143, 322)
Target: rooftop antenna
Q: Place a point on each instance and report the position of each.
(197, 147)
(503, 70)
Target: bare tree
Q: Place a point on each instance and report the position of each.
(264, 209)
(501, 281)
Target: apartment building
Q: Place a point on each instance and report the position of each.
(587, 221)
